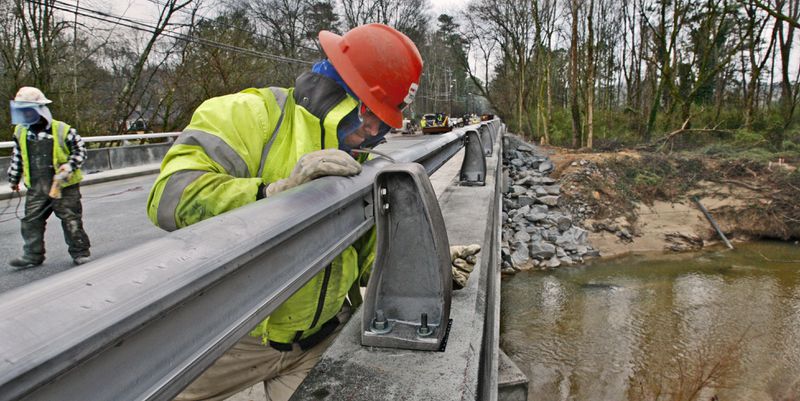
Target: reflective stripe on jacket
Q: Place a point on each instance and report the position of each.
(61, 151)
(236, 142)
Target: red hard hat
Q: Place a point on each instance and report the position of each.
(379, 64)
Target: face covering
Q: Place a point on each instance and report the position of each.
(350, 123)
(377, 139)
(27, 114)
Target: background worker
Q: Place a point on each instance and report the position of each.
(46, 149)
(256, 143)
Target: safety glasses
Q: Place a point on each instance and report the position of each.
(364, 111)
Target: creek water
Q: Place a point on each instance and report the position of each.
(720, 323)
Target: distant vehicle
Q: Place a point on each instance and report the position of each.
(471, 119)
(435, 123)
(406, 129)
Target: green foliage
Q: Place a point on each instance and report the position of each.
(615, 125)
(791, 147)
(763, 154)
(647, 178)
(749, 145)
(745, 137)
(561, 128)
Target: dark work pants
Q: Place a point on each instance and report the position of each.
(39, 206)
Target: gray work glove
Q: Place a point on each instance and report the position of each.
(313, 165)
(463, 259)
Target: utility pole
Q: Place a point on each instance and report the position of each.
(75, 122)
(448, 86)
(452, 93)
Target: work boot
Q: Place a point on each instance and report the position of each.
(79, 260)
(25, 262)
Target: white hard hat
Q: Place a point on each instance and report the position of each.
(31, 95)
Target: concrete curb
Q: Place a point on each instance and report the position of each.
(97, 178)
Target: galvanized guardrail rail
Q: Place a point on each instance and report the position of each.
(143, 324)
(111, 138)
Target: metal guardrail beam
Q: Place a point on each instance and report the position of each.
(175, 304)
(490, 358)
(110, 138)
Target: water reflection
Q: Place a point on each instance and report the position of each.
(639, 326)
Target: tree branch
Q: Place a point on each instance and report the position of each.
(780, 16)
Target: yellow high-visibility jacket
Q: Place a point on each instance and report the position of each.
(60, 151)
(235, 143)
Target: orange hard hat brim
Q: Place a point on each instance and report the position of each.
(335, 48)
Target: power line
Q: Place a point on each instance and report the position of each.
(180, 36)
(254, 33)
(128, 23)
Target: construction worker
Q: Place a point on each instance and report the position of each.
(257, 143)
(46, 150)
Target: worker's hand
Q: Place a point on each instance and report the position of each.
(64, 172)
(463, 261)
(15, 187)
(316, 164)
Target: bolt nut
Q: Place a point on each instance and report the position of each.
(380, 325)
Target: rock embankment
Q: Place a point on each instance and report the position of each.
(537, 233)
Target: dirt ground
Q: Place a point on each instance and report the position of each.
(641, 202)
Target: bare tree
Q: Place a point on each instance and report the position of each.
(590, 71)
(775, 11)
(288, 24)
(574, 6)
(546, 20)
(789, 90)
(482, 42)
(11, 49)
(130, 94)
(514, 26)
(40, 33)
(407, 16)
(753, 28)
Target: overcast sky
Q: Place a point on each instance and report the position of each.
(147, 9)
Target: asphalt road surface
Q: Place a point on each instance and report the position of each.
(114, 218)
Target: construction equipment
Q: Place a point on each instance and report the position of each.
(435, 123)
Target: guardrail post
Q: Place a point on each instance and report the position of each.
(473, 168)
(486, 139)
(408, 297)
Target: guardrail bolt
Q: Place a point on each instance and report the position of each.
(384, 200)
(424, 330)
(379, 324)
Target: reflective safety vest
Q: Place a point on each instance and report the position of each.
(233, 144)
(59, 131)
